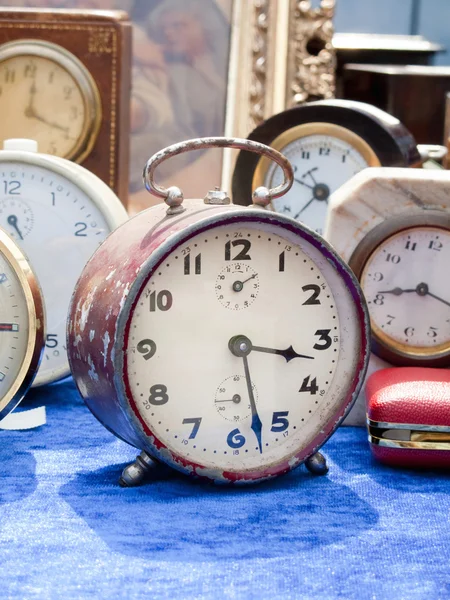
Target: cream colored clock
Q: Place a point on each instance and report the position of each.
(48, 95)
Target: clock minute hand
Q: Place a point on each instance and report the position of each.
(440, 299)
(241, 347)
(304, 207)
(256, 425)
(288, 354)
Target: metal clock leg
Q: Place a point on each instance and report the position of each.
(137, 472)
(317, 464)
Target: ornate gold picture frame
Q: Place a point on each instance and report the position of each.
(281, 55)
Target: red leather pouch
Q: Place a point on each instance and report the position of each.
(408, 416)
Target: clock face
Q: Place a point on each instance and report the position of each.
(14, 326)
(58, 227)
(407, 292)
(322, 162)
(234, 354)
(49, 96)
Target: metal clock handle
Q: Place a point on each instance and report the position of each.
(173, 196)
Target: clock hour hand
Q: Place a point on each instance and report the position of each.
(12, 220)
(287, 354)
(303, 183)
(29, 111)
(241, 346)
(397, 291)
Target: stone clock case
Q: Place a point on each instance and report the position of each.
(101, 40)
(392, 143)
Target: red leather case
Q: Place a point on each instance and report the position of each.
(408, 416)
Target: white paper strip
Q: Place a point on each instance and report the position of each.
(26, 419)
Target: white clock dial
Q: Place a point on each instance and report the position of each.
(407, 294)
(58, 227)
(14, 326)
(322, 163)
(236, 388)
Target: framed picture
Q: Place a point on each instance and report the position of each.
(214, 67)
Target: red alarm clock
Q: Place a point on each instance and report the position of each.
(408, 416)
(228, 342)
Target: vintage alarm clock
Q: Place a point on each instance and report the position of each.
(65, 82)
(327, 143)
(393, 228)
(58, 213)
(22, 326)
(408, 416)
(226, 342)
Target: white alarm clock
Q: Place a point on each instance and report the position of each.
(58, 213)
(228, 342)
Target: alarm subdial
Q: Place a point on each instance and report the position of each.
(231, 399)
(16, 217)
(237, 286)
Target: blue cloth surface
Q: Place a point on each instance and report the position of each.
(68, 531)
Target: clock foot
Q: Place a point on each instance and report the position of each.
(137, 472)
(317, 464)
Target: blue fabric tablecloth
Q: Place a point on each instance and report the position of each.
(68, 531)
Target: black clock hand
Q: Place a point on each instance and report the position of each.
(310, 173)
(12, 220)
(256, 425)
(241, 346)
(50, 123)
(235, 346)
(238, 286)
(397, 291)
(288, 354)
(236, 399)
(437, 298)
(311, 187)
(304, 207)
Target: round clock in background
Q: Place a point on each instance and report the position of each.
(393, 228)
(49, 96)
(235, 339)
(327, 142)
(58, 213)
(21, 326)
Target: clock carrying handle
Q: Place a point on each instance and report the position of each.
(173, 196)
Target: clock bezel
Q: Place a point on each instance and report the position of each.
(36, 325)
(97, 191)
(147, 438)
(383, 346)
(82, 79)
(304, 130)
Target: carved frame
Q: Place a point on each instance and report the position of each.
(281, 55)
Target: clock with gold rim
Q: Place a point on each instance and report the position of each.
(49, 96)
(327, 142)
